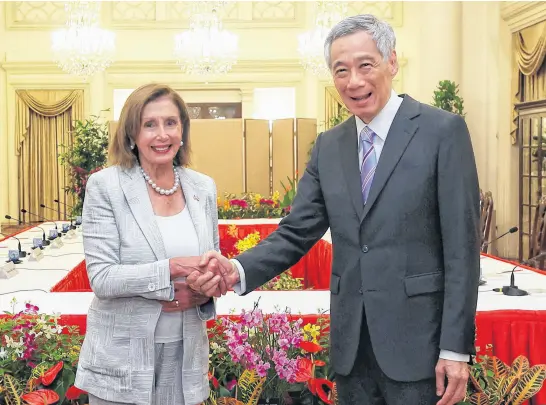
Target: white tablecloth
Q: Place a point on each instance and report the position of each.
(43, 274)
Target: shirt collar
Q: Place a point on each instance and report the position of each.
(381, 124)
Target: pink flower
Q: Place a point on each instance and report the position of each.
(31, 309)
(239, 203)
(231, 384)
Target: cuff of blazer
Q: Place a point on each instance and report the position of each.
(448, 355)
(207, 311)
(240, 287)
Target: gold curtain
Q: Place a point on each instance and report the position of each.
(528, 78)
(43, 124)
(333, 106)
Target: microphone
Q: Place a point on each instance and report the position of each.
(46, 242)
(58, 212)
(512, 290)
(21, 253)
(511, 230)
(24, 211)
(71, 207)
(65, 204)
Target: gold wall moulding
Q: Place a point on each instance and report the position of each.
(523, 14)
(158, 14)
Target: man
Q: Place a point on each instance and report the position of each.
(397, 186)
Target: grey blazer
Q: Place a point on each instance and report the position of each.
(129, 272)
(407, 262)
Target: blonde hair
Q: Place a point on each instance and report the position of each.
(119, 151)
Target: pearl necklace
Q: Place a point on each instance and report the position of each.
(160, 190)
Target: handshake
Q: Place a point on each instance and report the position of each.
(210, 275)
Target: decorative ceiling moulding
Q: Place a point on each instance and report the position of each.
(127, 81)
(175, 14)
(523, 14)
(31, 14)
(242, 66)
(390, 11)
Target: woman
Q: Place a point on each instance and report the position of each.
(146, 221)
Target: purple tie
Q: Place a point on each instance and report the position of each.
(369, 161)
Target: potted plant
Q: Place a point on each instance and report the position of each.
(446, 97)
(492, 382)
(85, 155)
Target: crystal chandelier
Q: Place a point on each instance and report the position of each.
(311, 44)
(206, 48)
(83, 48)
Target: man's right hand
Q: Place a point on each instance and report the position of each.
(215, 265)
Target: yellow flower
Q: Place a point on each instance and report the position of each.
(276, 196)
(257, 198)
(311, 332)
(248, 242)
(232, 231)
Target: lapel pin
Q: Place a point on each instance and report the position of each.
(195, 198)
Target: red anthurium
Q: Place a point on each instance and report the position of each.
(214, 380)
(41, 397)
(312, 385)
(320, 383)
(49, 376)
(310, 347)
(319, 363)
(304, 370)
(74, 393)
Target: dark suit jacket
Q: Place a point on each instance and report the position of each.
(409, 258)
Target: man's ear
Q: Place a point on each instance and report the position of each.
(393, 64)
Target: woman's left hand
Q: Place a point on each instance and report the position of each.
(184, 298)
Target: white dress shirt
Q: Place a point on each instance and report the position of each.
(380, 125)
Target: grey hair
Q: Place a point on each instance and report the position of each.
(380, 31)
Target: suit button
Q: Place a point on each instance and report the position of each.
(361, 291)
(365, 248)
(151, 287)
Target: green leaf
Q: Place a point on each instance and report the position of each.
(62, 384)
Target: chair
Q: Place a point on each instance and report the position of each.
(486, 215)
(537, 242)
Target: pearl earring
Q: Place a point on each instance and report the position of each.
(132, 146)
(181, 143)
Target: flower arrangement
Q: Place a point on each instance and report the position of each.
(85, 155)
(279, 354)
(231, 246)
(38, 359)
(250, 205)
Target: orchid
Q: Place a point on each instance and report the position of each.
(269, 345)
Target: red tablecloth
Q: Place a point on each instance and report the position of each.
(314, 267)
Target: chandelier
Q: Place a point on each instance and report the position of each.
(82, 48)
(311, 44)
(206, 48)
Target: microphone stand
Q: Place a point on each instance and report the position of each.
(72, 226)
(21, 252)
(46, 242)
(58, 212)
(511, 230)
(512, 290)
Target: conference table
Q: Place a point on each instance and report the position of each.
(510, 326)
